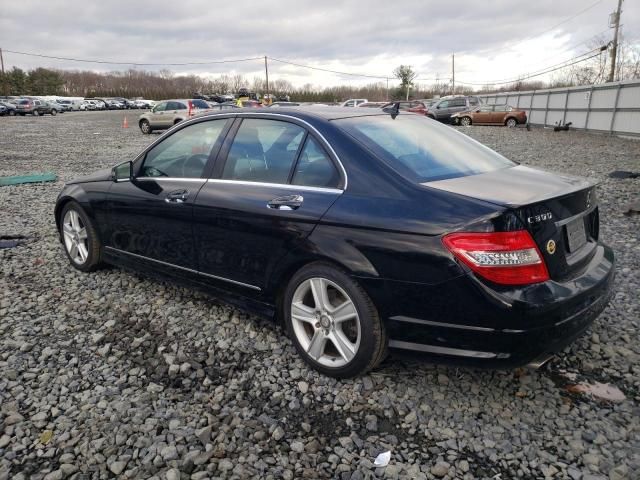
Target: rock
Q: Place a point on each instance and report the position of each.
(464, 466)
(277, 434)
(172, 474)
(55, 475)
(313, 446)
(411, 417)
(303, 387)
(204, 434)
(169, 453)
(117, 467)
(13, 418)
(297, 447)
(440, 469)
(225, 465)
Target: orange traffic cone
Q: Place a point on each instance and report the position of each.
(125, 123)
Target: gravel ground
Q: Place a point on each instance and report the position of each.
(109, 374)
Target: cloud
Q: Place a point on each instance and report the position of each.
(492, 40)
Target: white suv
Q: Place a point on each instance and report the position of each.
(354, 102)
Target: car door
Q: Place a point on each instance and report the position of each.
(267, 194)
(158, 116)
(500, 112)
(441, 110)
(150, 215)
(484, 115)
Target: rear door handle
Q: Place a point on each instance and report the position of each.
(177, 196)
(288, 202)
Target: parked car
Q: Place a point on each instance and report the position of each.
(144, 104)
(491, 115)
(284, 104)
(447, 106)
(169, 112)
(353, 102)
(222, 106)
(372, 105)
(35, 107)
(413, 106)
(502, 269)
(9, 108)
(59, 106)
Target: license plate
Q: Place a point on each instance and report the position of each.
(576, 234)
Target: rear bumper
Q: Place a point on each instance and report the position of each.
(468, 321)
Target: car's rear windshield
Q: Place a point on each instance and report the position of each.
(422, 149)
(199, 103)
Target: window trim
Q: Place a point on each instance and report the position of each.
(235, 118)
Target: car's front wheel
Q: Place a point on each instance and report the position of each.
(54, 112)
(145, 127)
(35, 113)
(465, 121)
(332, 322)
(80, 238)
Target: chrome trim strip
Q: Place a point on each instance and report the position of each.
(584, 213)
(276, 185)
(442, 350)
(419, 321)
(184, 268)
(172, 179)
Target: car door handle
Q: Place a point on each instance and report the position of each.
(178, 196)
(288, 202)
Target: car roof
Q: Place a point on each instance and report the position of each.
(309, 113)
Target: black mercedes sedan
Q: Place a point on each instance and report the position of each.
(362, 232)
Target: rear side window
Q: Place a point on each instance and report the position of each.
(263, 151)
(314, 167)
(199, 104)
(422, 151)
(458, 102)
(473, 101)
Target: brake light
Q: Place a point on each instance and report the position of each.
(190, 108)
(507, 258)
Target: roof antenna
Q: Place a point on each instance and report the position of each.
(392, 109)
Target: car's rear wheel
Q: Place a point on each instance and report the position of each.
(54, 112)
(35, 113)
(333, 323)
(465, 121)
(12, 113)
(511, 122)
(80, 238)
(145, 127)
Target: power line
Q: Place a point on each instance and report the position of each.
(549, 70)
(108, 62)
(379, 77)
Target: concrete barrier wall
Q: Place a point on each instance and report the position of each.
(609, 107)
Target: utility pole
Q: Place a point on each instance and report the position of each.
(614, 45)
(453, 73)
(4, 77)
(266, 74)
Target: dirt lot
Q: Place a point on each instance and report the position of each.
(111, 375)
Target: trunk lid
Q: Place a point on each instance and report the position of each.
(559, 211)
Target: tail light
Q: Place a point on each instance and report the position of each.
(507, 258)
(190, 108)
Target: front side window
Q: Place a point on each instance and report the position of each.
(263, 151)
(176, 106)
(161, 107)
(314, 167)
(185, 153)
(422, 151)
(443, 104)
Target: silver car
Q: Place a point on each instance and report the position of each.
(167, 113)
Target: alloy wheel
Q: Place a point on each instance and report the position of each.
(325, 322)
(511, 123)
(76, 240)
(466, 121)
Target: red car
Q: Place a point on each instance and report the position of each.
(414, 106)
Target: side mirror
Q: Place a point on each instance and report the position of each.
(122, 172)
(438, 107)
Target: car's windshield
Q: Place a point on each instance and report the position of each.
(421, 149)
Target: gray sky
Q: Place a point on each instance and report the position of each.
(492, 39)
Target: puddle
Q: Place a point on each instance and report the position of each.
(623, 174)
(601, 391)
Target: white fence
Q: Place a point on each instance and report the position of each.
(608, 108)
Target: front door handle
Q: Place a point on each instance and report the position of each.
(177, 196)
(288, 202)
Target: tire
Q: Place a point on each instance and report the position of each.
(177, 121)
(511, 122)
(465, 121)
(12, 113)
(74, 223)
(35, 113)
(54, 112)
(145, 127)
(353, 346)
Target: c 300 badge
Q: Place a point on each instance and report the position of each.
(551, 247)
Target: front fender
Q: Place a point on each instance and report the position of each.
(92, 197)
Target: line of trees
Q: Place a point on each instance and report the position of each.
(165, 84)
